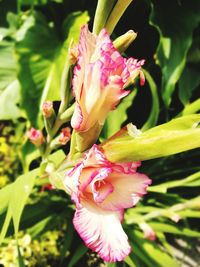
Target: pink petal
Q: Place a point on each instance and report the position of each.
(99, 186)
(94, 157)
(128, 189)
(102, 231)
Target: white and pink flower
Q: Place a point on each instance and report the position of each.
(100, 77)
(101, 191)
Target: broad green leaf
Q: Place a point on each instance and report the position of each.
(77, 255)
(175, 22)
(41, 57)
(118, 116)
(176, 136)
(9, 86)
(21, 190)
(9, 99)
(7, 65)
(153, 117)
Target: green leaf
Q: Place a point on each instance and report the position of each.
(188, 81)
(175, 22)
(153, 117)
(20, 258)
(189, 214)
(21, 190)
(77, 255)
(151, 252)
(169, 228)
(103, 7)
(22, 187)
(6, 224)
(9, 86)
(176, 136)
(68, 240)
(189, 181)
(191, 108)
(41, 57)
(118, 116)
(28, 153)
(5, 196)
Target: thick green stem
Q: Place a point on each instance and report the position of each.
(116, 14)
(103, 10)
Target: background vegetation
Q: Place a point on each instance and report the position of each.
(34, 39)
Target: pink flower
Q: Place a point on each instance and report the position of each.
(100, 77)
(101, 191)
(35, 136)
(64, 136)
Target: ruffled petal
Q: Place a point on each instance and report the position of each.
(128, 189)
(102, 231)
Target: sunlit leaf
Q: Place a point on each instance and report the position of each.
(176, 136)
(21, 190)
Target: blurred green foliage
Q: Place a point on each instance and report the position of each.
(34, 39)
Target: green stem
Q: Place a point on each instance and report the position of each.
(67, 114)
(103, 10)
(72, 145)
(116, 14)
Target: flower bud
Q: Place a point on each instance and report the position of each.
(123, 41)
(148, 231)
(64, 136)
(175, 217)
(47, 109)
(35, 136)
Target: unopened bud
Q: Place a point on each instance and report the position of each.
(64, 136)
(175, 217)
(73, 54)
(35, 136)
(123, 41)
(148, 231)
(47, 109)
